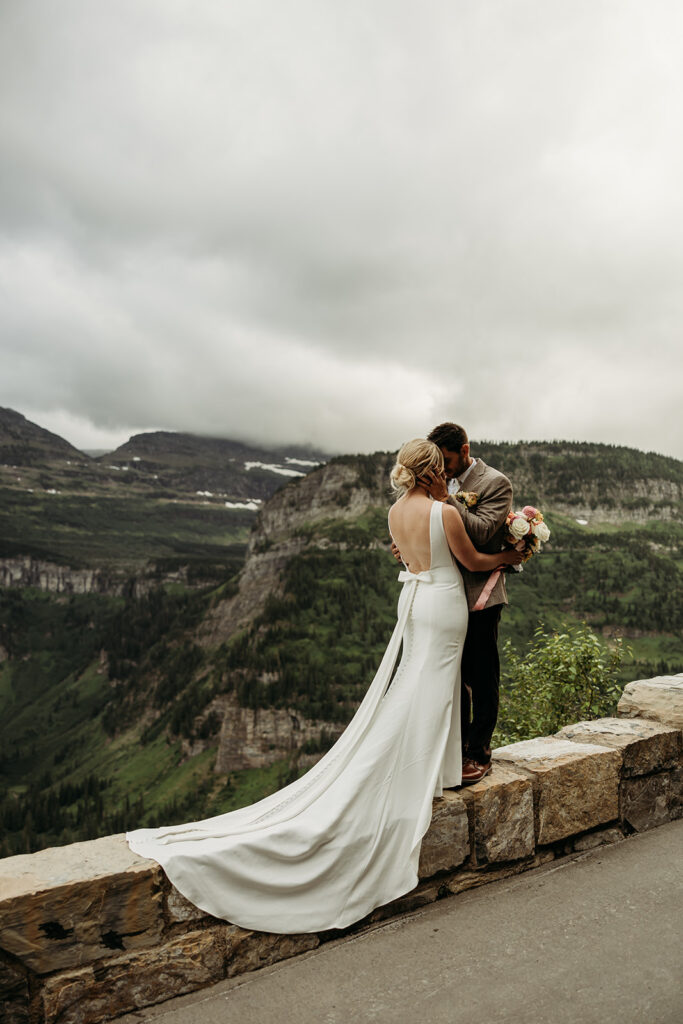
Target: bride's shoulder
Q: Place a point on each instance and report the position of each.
(449, 513)
(395, 513)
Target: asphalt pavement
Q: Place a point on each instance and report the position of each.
(594, 938)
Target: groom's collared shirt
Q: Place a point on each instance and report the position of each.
(458, 482)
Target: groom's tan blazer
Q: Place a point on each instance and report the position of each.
(485, 525)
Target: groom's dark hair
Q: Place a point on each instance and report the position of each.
(448, 435)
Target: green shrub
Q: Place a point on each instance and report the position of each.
(563, 677)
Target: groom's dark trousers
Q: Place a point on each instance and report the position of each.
(485, 525)
(480, 683)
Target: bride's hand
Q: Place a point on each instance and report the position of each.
(434, 483)
(511, 557)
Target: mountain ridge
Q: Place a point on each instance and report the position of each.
(23, 442)
(184, 443)
(149, 442)
(203, 463)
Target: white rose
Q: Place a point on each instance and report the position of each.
(541, 531)
(519, 527)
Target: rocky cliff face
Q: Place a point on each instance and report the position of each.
(25, 571)
(338, 491)
(600, 483)
(56, 579)
(636, 501)
(289, 524)
(254, 737)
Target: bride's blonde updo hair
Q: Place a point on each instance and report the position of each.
(415, 459)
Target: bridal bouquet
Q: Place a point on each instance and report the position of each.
(526, 532)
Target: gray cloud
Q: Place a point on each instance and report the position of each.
(342, 223)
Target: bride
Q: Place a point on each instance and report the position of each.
(345, 838)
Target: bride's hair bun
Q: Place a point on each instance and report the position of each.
(402, 478)
(415, 459)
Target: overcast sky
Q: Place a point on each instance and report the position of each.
(343, 222)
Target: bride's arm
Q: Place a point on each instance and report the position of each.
(465, 551)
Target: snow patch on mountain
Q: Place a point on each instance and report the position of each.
(252, 505)
(272, 468)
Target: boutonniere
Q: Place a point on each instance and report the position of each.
(467, 498)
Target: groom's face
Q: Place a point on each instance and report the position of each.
(455, 463)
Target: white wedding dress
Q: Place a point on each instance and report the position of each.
(345, 838)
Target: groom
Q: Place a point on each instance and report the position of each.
(485, 524)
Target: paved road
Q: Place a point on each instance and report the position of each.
(592, 939)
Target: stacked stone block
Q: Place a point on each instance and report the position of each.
(91, 931)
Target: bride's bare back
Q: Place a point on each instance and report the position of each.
(409, 526)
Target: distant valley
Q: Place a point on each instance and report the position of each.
(238, 609)
(162, 504)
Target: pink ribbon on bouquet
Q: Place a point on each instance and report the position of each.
(486, 592)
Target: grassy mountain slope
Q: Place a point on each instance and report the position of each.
(122, 533)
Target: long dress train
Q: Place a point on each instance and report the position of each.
(345, 838)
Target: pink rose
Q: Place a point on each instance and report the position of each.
(529, 511)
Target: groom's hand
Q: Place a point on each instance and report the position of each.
(395, 552)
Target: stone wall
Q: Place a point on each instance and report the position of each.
(92, 931)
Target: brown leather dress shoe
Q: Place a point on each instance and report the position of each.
(473, 772)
